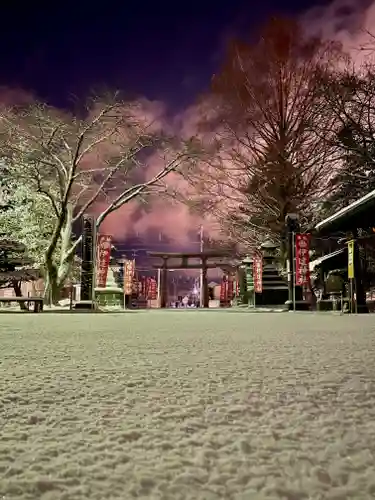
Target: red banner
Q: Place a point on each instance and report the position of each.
(224, 290)
(143, 286)
(152, 289)
(230, 288)
(104, 244)
(258, 273)
(129, 271)
(302, 259)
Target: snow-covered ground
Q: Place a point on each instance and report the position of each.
(187, 405)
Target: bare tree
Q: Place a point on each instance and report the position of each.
(76, 162)
(270, 119)
(350, 95)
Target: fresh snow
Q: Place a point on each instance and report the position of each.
(187, 405)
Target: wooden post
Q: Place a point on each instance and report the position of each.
(359, 289)
(206, 298)
(164, 284)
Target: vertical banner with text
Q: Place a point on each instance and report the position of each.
(143, 280)
(302, 242)
(104, 245)
(231, 285)
(258, 273)
(129, 271)
(351, 259)
(224, 289)
(152, 289)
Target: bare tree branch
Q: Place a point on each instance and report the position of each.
(270, 116)
(76, 163)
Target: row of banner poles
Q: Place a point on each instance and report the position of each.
(101, 260)
(300, 271)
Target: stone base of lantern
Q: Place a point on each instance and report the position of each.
(109, 296)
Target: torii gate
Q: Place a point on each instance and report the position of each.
(185, 264)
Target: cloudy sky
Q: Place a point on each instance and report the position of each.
(163, 50)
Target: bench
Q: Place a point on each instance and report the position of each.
(38, 301)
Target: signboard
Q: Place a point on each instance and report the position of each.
(104, 245)
(351, 259)
(302, 246)
(129, 271)
(258, 273)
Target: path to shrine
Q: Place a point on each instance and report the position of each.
(187, 405)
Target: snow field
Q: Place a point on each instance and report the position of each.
(187, 405)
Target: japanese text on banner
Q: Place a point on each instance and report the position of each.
(224, 289)
(302, 247)
(129, 269)
(351, 259)
(258, 273)
(104, 245)
(152, 288)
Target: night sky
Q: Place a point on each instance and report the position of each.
(165, 51)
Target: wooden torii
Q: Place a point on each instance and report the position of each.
(183, 263)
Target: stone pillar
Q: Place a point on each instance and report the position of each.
(88, 263)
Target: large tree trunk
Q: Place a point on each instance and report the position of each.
(52, 288)
(56, 275)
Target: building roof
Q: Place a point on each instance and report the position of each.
(359, 214)
(324, 260)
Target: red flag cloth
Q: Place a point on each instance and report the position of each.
(302, 247)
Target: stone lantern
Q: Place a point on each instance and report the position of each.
(247, 281)
(268, 249)
(274, 287)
